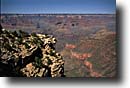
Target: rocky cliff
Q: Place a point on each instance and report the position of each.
(29, 55)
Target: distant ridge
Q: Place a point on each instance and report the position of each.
(56, 14)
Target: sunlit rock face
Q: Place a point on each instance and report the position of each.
(29, 55)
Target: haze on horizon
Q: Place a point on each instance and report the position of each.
(58, 6)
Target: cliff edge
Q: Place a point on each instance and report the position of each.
(29, 55)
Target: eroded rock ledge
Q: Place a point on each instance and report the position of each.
(29, 55)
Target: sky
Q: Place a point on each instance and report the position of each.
(58, 6)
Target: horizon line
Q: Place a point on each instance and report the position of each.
(59, 13)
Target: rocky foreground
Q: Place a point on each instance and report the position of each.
(29, 55)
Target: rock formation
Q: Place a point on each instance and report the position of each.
(29, 55)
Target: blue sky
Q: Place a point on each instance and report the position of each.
(59, 6)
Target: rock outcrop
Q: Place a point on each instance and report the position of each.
(29, 55)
